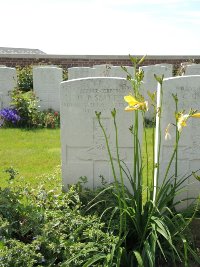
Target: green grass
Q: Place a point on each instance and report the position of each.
(34, 153)
(37, 153)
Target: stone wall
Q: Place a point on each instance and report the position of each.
(68, 61)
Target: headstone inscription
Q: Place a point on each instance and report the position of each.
(84, 150)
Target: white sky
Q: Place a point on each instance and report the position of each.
(102, 27)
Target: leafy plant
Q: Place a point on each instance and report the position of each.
(12, 173)
(50, 119)
(25, 78)
(150, 229)
(45, 228)
(26, 105)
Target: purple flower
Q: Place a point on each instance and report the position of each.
(8, 116)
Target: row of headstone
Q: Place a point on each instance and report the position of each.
(83, 146)
(47, 79)
(46, 83)
(84, 150)
(105, 70)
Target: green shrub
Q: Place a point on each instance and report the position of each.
(48, 229)
(17, 254)
(26, 105)
(49, 119)
(25, 78)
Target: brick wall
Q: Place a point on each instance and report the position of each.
(65, 61)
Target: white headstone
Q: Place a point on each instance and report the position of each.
(108, 70)
(168, 66)
(150, 83)
(8, 81)
(193, 69)
(80, 72)
(84, 150)
(102, 70)
(105, 70)
(46, 83)
(187, 89)
(117, 71)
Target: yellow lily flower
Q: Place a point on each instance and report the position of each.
(182, 118)
(182, 121)
(133, 104)
(196, 115)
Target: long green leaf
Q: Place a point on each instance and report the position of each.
(139, 258)
(148, 252)
(93, 260)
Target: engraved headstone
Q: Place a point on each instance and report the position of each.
(150, 83)
(8, 81)
(84, 150)
(193, 69)
(117, 71)
(108, 70)
(46, 83)
(102, 70)
(187, 89)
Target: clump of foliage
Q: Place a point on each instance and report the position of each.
(26, 105)
(65, 74)
(12, 173)
(25, 78)
(49, 229)
(26, 113)
(49, 119)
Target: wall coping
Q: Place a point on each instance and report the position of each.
(120, 57)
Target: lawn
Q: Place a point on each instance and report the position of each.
(33, 153)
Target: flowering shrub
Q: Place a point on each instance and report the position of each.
(9, 117)
(51, 119)
(27, 106)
